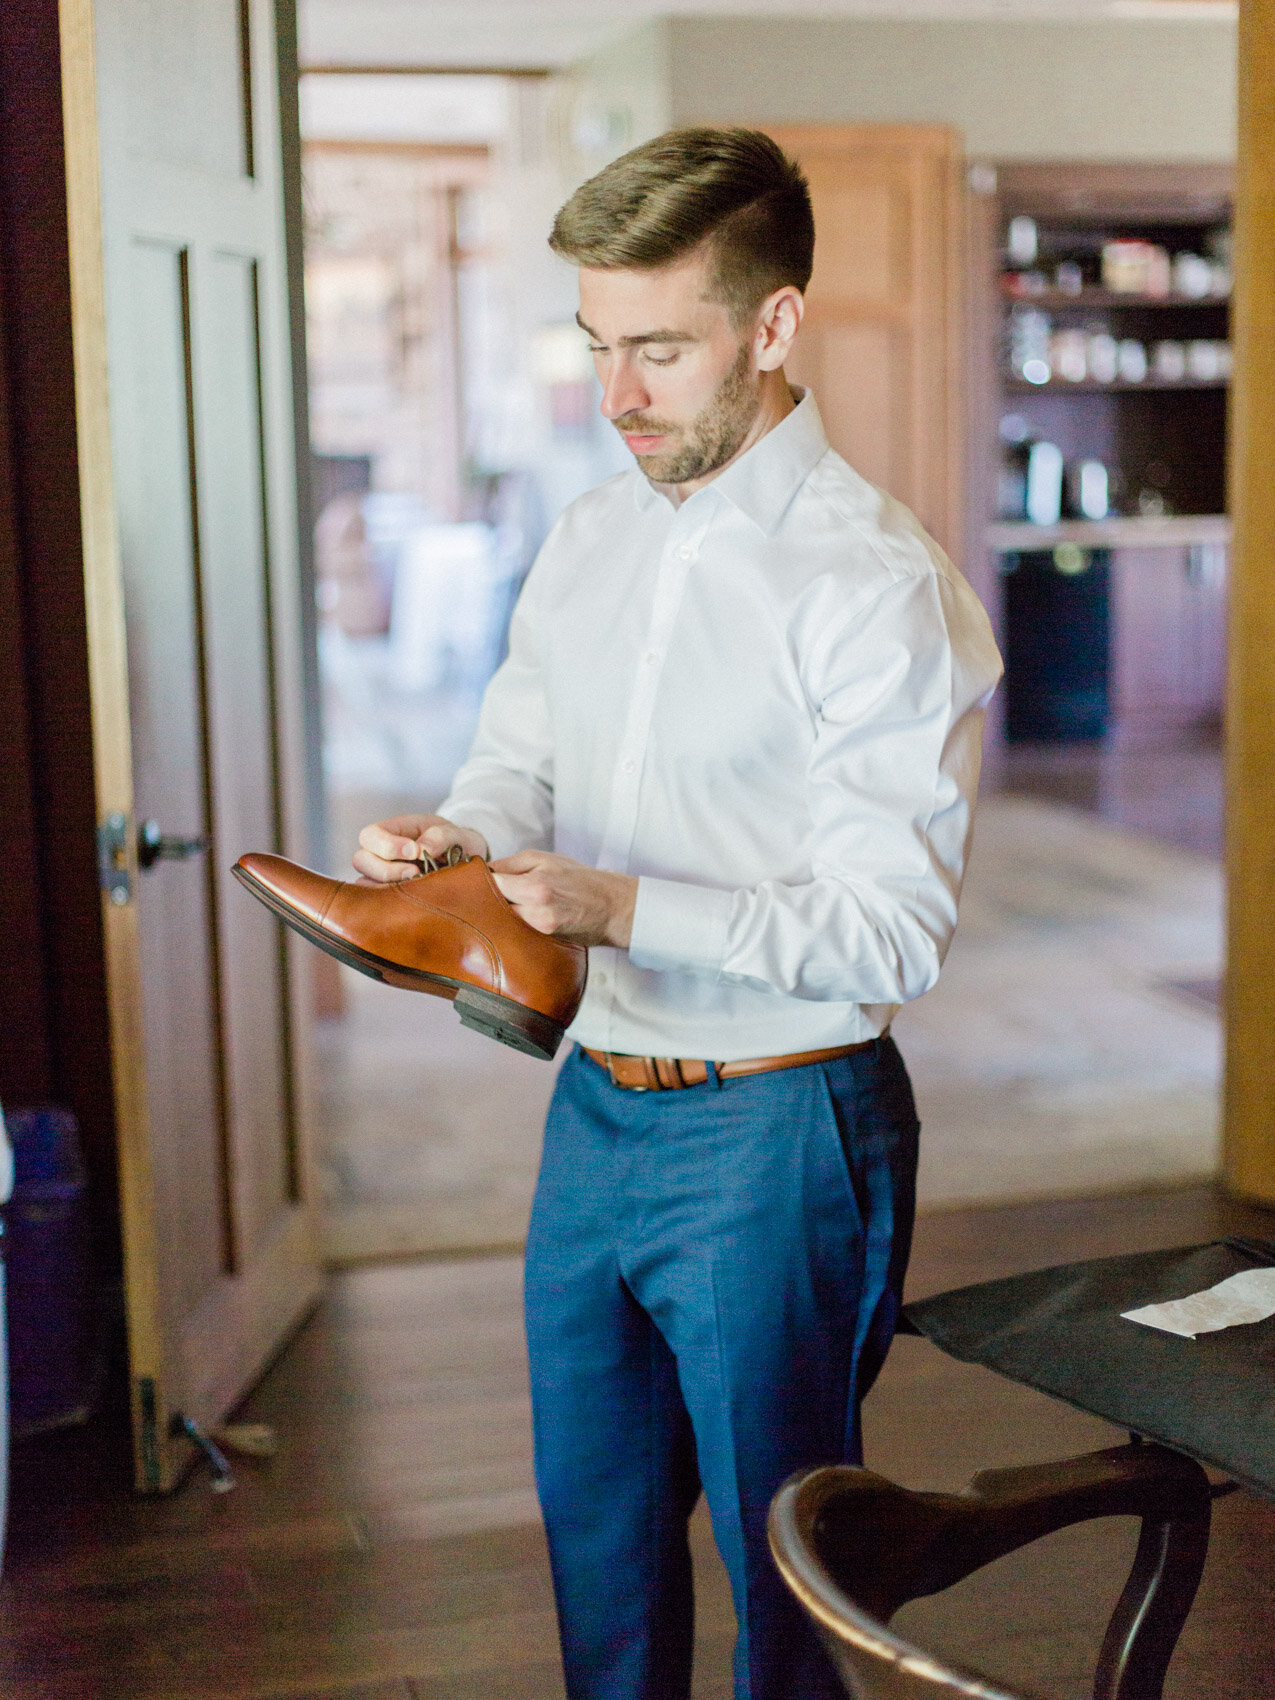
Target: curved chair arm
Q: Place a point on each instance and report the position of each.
(845, 1536)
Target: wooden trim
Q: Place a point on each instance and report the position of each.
(288, 83)
(955, 332)
(1123, 531)
(26, 1063)
(526, 72)
(982, 410)
(1106, 189)
(1249, 1093)
(942, 138)
(112, 752)
(455, 163)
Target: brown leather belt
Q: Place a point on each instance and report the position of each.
(667, 1074)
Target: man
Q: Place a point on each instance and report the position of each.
(734, 750)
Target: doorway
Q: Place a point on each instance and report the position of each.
(452, 415)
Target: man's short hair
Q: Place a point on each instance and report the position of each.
(734, 189)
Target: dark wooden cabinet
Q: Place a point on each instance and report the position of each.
(1168, 639)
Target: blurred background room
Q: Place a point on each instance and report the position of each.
(1018, 323)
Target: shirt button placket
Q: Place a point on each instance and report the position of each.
(623, 814)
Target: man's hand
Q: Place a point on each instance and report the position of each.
(556, 895)
(390, 850)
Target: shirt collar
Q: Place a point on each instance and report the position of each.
(763, 481)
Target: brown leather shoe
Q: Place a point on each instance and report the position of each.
(448, 932)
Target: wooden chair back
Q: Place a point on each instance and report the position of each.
(854, 1547)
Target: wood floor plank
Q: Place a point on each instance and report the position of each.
(389, 1553)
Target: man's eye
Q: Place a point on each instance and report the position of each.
(661, 359)
(594, 348)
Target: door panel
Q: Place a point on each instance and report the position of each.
(859, 375)
(219, 1247)
(881, 341)
(245, 748)
(163, 610)
(862, 238)
(200, 72)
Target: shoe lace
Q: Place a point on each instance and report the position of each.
(452, 858)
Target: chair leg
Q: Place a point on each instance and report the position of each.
(1151, 1611)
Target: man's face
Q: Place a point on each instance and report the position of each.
(678, 379)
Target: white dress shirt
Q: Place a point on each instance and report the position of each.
(767, 703)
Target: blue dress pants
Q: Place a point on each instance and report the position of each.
(712, 1281)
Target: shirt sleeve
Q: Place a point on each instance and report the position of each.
(504, 789)
(899, 691)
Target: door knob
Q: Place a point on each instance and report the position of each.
(153, 847)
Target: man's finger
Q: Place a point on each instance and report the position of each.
(521, 862)
(389, 846)
(507, 884)
(383, 871)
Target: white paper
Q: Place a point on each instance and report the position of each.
(1246, 1297)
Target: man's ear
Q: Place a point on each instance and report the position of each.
(778, 321)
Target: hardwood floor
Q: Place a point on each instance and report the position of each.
(390, 1551)
(1171, 792)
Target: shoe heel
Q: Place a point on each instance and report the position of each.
(511, 1023)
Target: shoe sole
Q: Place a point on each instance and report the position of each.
(497, 1017)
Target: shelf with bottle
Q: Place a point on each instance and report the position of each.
(1070, 264)
(1118, 531)
(1038, 352)
(1089, 386)
(1073, 468)
(1092, 295)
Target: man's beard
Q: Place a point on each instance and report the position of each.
(712, 438)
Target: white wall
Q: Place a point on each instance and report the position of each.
(1118, 89)
(616, 99)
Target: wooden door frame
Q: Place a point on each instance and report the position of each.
(160, 1457)
(1249, 1092)
(156, 1463)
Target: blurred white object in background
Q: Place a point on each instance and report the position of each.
(1192, 276)
(1044, 483)
(1206, 360)
(1168, 361)
(1088, 490)
(441, 614)
(1021, 240)
(1131, 360)
(1104, 359)
(1069, 354)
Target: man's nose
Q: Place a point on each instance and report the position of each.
(624, 391)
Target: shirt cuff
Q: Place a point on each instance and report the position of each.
(679, 926)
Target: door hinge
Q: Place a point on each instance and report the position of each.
(148, 1434)
(113, 872)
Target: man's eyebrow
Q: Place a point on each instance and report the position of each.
(643, 337)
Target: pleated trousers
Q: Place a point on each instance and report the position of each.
(712, 1281)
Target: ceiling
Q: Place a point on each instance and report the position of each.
(529, 35)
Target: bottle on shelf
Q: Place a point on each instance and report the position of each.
(1134, 267)
(1088, 490)
(1131, 360)
(1044, 483)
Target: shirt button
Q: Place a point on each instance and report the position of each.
(685, 552)
(630, 766)
(652, 657)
